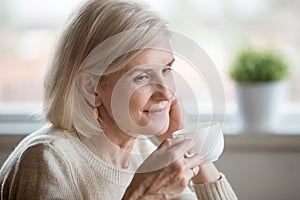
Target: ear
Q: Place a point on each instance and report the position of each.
(88, 87)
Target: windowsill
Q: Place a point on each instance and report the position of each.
(16, 123)
(19, 118)
(19, 128)
(288, 122)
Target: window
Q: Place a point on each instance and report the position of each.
(28, 31)
(29, 28)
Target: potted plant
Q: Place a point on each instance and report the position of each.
(259, 75)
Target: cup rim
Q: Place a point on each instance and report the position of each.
(193, 127)
(203, 125)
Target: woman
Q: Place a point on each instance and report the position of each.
(108, 88)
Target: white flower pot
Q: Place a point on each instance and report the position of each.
(259, 105)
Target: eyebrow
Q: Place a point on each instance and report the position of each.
(147, 70)
(170, 63)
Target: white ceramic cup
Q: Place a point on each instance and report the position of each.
(208, 138)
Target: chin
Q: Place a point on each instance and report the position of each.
(154, 127)
(162, 131)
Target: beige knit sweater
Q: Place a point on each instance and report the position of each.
(53, 164)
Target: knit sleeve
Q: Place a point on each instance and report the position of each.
(219, 190)
(41, 173)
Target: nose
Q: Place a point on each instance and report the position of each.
(162, 93)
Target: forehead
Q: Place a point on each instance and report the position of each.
(159, 57)
(149, 57)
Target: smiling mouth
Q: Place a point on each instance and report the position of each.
(157, 111)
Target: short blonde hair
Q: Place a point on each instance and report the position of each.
(93, 23)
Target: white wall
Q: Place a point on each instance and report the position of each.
(262, 167)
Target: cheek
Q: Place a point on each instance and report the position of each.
(137, 103)
(138, 100)
(170, 84)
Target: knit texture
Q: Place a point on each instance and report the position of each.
(218, 190)
(54, 164)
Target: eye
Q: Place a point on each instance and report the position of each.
(141, 78)
(167, 70)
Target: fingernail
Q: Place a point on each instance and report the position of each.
(197, 169)
(188, 155)
(179, 137)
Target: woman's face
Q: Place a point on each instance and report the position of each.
(138, 98)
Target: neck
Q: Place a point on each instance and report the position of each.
(120, 139)
(112, 145)
(110, 149)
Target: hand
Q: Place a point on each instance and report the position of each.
(166, 172)
(207, 173)
(176, 120)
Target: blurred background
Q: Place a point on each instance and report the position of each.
(28, 30)
(258, 166)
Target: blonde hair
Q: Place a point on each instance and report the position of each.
(94, 23)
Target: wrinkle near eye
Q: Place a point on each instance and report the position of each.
(141, 78)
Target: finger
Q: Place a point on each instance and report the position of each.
(179, 145)
(177, 115)
(174, 178)
(162, 178)
(168, 152)
(193, 161)
(163, 157)
(176, 119)
(176, 187)
(171, 142)
(174, 150)
(180, 185)
(195, 170)
(187, 167)
(185, 143)
(192, 145)
(158, 196)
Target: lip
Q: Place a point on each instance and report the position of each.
(157, 111)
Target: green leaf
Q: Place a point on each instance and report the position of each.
(255, 65)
